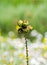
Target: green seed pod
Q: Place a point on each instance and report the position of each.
(20, 22)
(25, 22)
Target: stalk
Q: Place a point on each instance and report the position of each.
(27, 61)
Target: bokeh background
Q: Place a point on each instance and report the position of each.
(11, 11)
(35, 11)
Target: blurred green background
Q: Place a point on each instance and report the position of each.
(35, 11)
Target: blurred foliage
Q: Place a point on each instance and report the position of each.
(35, 11)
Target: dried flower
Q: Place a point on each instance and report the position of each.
(23, 26)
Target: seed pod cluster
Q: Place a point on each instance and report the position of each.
(23, 26)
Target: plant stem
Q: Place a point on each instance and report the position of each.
(26, 51)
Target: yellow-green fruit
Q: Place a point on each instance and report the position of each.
(20, 22)
(17, 27)
(25, 22)
(29, 27)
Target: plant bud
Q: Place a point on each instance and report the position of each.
(20, 22)
(25, 22)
